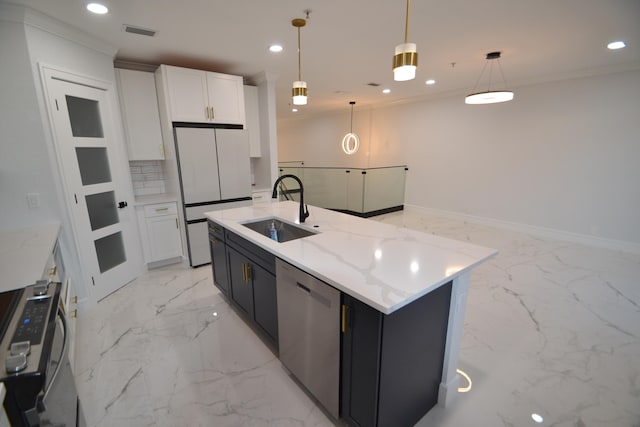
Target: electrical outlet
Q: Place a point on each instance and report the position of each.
(33, 200)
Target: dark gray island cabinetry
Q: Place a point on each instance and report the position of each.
(219, 262)
(245, 274)
(392, 364)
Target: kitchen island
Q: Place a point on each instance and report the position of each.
(392, 274)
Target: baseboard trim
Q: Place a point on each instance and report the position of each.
(618, 245)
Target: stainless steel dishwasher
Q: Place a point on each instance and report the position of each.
(309, 333)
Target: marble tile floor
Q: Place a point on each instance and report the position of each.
(551, 328)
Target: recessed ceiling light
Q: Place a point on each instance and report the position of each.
(97, 8)
(430, 82)
(275, 48)
(386, 91)
(295, 110)
(537, 418)
(618, 44)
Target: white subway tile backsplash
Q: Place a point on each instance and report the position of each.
(147, 177)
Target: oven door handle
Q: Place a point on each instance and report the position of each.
(63, 353)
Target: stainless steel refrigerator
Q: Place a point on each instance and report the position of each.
(215, 173)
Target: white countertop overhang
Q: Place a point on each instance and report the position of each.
(24, 254)
(382, 265)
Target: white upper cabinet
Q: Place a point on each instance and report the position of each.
(197, 96)
(252, 120)
(140, 116)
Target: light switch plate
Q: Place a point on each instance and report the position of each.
(33, 200)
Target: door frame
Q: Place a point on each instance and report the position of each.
(120, 167)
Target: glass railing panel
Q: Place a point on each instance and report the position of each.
(325, 187)
(384, 188)
(355, 190)
(349, 189)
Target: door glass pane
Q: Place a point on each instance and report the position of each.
(84, 115)
(102, 209)
(110, 251)
(93, 164)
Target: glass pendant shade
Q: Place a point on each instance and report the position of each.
(299, 92)
(405, 62)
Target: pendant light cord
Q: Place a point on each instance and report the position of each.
(299, 62)
(484, 67)
(351, 126)
(406, 23)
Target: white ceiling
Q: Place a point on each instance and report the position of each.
(350, 43)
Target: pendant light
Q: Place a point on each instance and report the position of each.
(351, 142)
(405, 60)
(299, 86)
(490, 96)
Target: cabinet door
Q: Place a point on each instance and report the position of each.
(265, 303)
(360, 362)
(240, 280)
(219, 264)
(234, 166)
(226, 98)
(198, 164)
(187, 94)
(164, 237)
(140, 116)
(71, 304)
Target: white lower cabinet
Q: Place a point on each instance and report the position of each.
(160, 232)
(57, 272)
(70, 304)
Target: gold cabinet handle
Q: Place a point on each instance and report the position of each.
(246, 273)
(74, 313)
(213, 116)
(162, 209)
(206, 112)
(74, 300)
(177, 226)
(53, 270)
(344, 318)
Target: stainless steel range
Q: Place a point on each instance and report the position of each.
(34, 361)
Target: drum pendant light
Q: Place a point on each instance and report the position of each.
(299, 86)
(405, 60)
(351, 142)
(490, 96)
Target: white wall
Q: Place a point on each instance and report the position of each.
(24, 161)
(318, 142)
(562, 155)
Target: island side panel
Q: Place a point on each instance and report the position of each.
(450, 379)
(413, 349)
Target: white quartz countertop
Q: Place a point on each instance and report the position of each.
(382, 265)
(24, 254)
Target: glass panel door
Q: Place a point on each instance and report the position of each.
(85, 140)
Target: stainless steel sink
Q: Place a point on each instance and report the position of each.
(285, 230)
